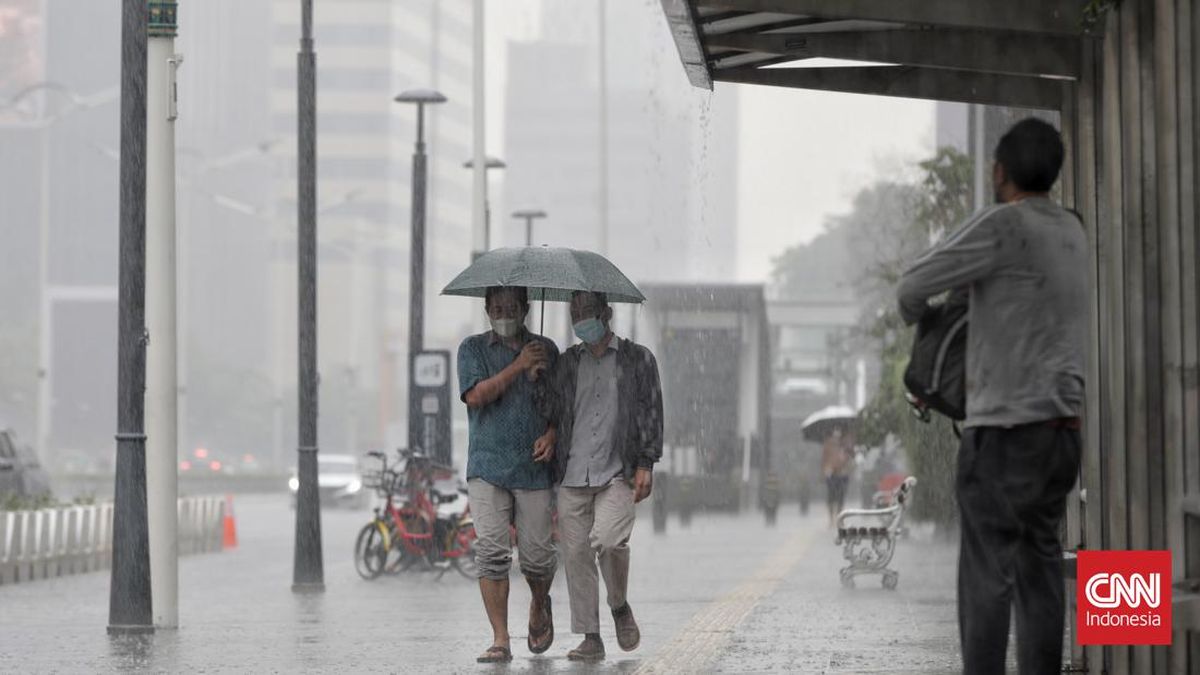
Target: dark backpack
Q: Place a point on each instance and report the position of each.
(936, 376)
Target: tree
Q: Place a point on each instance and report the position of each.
(939, 201)
(864, 252)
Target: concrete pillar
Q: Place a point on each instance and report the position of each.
(162, 484)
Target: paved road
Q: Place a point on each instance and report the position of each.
(726, 594)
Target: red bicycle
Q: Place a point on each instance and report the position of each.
(424, 527)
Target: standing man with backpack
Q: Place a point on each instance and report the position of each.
(1024, 262)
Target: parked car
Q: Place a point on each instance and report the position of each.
(339, 479)
(20, 472)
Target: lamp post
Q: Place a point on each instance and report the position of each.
(416, 287)
(529, 215)
(308, 567)
(129, 608)
(489, 164)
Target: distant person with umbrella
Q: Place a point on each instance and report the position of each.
(837, 462)
(509, 476)
(832, 428)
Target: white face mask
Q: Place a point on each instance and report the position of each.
(506, 328)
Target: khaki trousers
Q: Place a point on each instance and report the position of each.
(594, 525)
(492, 509)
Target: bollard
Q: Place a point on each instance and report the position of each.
(229, 527)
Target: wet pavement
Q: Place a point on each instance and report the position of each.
(726, 594)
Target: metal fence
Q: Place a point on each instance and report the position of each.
(56, 542)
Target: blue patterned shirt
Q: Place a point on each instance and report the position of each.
(502, 433)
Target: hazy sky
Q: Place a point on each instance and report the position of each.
(803, 154)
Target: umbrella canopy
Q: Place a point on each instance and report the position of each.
(821, 423)
(549, 274)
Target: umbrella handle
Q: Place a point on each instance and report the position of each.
(542, 330)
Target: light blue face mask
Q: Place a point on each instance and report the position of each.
(591, 331)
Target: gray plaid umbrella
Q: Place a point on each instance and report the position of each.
(549, 274)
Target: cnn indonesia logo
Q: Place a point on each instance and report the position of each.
(1124, 597)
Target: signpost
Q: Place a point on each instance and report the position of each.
(431, 388)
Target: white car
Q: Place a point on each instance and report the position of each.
(339, 479)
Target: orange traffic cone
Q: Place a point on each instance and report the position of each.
(230, 539)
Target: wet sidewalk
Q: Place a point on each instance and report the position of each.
(725, 594)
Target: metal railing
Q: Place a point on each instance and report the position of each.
(55, 542)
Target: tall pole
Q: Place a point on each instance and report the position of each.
(308, 574)
(603, 82)
(416, 284)
(129, 604)
(479, 170)
(44, 316)
(529, 215)
(162, 445)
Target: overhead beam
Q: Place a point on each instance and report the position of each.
(1012, 53)
(687, 40)
(910, 82)
(1033, 16)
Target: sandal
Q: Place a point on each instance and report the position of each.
(495, 654)
(540, 640)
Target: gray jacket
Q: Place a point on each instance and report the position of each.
(1026, 266)
(639, 432)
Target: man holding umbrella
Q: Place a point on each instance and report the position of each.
(603, 396)
(508, 473)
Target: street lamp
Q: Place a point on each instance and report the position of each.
(489, 164)
(416, 288)
(308, 564)
(529, 215)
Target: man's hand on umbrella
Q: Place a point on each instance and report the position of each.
(643, 481)
(543, 447)
(532, 356)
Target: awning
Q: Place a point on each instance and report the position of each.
(1019, 53)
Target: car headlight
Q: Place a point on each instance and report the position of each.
(354, 486)
(294, 484)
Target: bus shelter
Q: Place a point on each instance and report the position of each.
(1123, 76)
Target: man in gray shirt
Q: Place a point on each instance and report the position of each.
(603, 398)
(1025, 263)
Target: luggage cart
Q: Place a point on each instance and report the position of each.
(868, 537)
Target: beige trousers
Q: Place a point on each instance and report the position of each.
(492, 509)
(594, 525)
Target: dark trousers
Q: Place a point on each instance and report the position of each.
(1012, 486)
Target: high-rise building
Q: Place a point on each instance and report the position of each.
(667, 146)
(368, 51)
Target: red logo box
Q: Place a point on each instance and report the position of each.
(1124, 597)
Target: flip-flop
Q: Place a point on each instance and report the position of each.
(544, 637)
(495, 654)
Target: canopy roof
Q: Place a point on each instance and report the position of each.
(1020, 53)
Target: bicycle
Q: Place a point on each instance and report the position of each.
(399, 536)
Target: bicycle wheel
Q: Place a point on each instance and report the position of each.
(369, 552)
(465, 563)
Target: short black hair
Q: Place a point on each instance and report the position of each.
(521, 291)
(601, 298)
(1031, 153)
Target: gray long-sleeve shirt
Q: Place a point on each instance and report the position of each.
(1026, 266)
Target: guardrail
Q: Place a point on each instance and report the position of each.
(66, 540)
